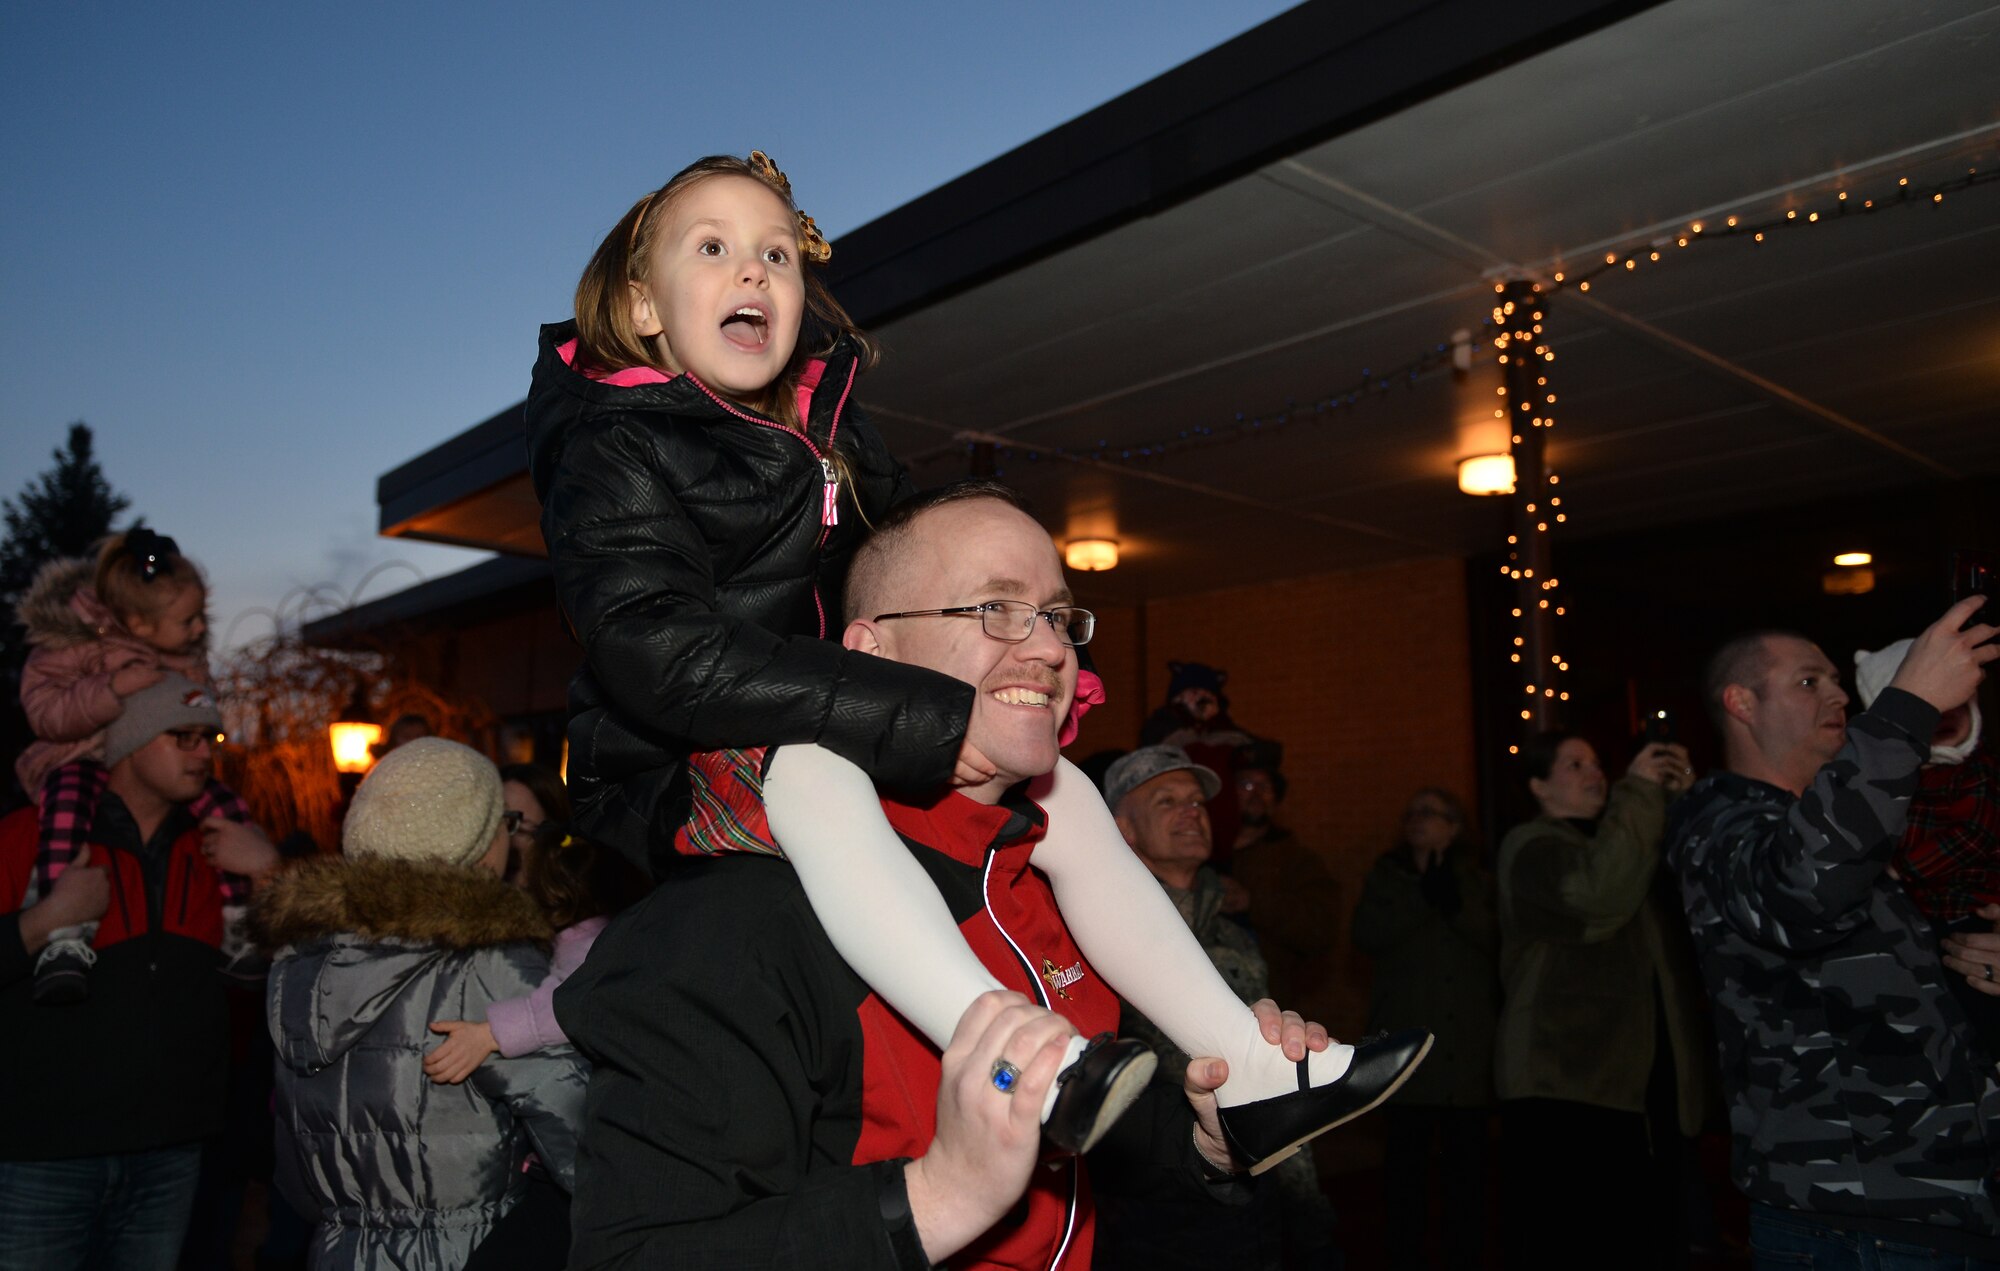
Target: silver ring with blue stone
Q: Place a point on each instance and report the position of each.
(1005, 1076)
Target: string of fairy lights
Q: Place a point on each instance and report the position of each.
(1372, 383)
(1523, 352)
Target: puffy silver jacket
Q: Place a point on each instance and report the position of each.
(398, 1171)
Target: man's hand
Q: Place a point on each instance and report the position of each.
(464, 1048)
(1664, 763)
(987, 1142)
(1289, 1030)
(1944, 665)
(236, 847)
(127, 680)
(1204, 1078)
(1976, 954)
(81, 893)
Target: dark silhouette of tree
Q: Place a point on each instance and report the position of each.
(60, 513)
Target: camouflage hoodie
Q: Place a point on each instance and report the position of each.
(1852, 1093)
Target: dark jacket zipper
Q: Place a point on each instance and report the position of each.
(830, 488)
(118, 886)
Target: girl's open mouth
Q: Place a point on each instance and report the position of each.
(748, 328)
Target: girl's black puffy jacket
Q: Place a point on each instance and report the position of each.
(690, 559)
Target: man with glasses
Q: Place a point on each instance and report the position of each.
(110, 1096)
(839, 1137)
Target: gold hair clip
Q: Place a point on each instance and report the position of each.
(811, 242)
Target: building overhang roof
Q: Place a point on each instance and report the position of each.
(1206, 318)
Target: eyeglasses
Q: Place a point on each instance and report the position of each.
(194, 738)
(518, 822)
(1014, 620)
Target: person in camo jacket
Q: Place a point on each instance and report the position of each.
(1864, 1128)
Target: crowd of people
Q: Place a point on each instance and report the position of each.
(824, 954)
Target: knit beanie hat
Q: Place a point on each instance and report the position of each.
(1182, 676)
(1872, 673)
(175, 702)
(428, 800)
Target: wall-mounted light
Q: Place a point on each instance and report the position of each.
(353, 736)
(1091, 554)
(1854, 558)
(1486, 474)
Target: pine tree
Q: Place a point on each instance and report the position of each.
(60, 513)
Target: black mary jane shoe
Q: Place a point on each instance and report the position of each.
(1268, 1131)
(1096, 1090)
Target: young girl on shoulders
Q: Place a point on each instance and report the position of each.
(704, 477)
(101, 631)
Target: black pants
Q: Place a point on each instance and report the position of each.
(1411, 1175)
(534, 1236)
(1588, 1187)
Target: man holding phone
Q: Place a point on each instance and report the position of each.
(1860, 1113)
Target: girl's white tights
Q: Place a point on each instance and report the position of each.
(825, 814)
(882, 912)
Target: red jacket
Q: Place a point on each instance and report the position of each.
(752, 1100)
(140, 1064)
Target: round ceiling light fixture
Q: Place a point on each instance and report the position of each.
(1091, 555)
(1486, 474)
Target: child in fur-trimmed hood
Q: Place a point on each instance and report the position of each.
(414, 924)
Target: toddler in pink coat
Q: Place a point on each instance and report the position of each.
(101, 631)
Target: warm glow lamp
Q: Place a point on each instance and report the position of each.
(353, 736)
(1851, 559)
(1486, 474)
(1091, 554)
(353, 744)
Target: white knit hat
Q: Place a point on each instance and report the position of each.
(1874, 671)
(427, 800)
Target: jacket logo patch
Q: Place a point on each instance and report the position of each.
(1060, 978)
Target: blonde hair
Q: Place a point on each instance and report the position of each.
(605, 336)
(121, 583)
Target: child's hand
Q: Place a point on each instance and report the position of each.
(466, 1047)
(128, 680)
(236, 847)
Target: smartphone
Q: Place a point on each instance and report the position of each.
(1659, 728)
(1976, 574)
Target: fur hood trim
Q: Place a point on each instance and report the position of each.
(454, 907)
(59, 608)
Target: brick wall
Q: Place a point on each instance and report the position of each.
(1365, 677)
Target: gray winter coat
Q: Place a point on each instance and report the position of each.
(400, 1172)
